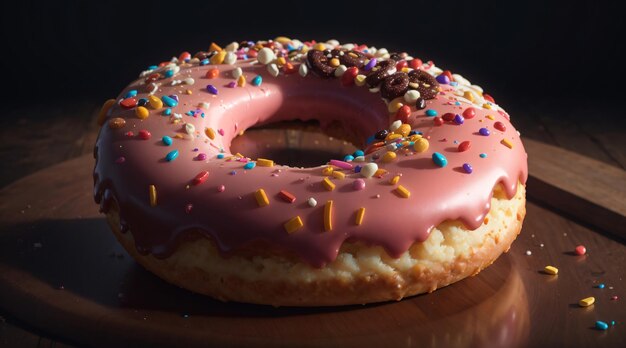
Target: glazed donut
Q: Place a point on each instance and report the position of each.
(436, 193)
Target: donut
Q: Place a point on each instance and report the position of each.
(435, 193)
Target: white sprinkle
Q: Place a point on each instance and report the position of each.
(230, 58)
(369, 170)
(541, 245)
(312, 202)
(204, 105)
(273, 69)
(37, 245)
(411, 96)
(189, 81)
(395, 125)
(303, 71)
(340, 70)
(265, 56)
(237, 72)
(359, 159)
(190, 128)
(231, 47)
(375, 90)
(528, 252)
(175, 82)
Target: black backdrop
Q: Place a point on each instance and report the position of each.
(519, 52)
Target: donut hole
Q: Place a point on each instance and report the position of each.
(296, 143)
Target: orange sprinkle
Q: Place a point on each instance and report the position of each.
(328, 216)
(212, 73)
(209, 133)
(394, 180)
(153, 195)
(339, 175)
(403, 192)
(328, 184)
(293, 225)
(104, 110)
(214, 47)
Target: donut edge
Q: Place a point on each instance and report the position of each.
(199, 267)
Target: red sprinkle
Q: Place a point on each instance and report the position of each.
(499, 126)
(401, 65)
(289, 68)
(188, 208)
(213, 73)
(469, 113)
(129, 134)
(580, 250)
(438, 121)
(144, 134)
(347, 79)
(403, 114)
(286, 196)
(184, 56)
(152, 78)
(614, 298)
(448, 117)
(129, 103)
(489, 98)
(448, 74)
(200, 178)
(464, 146)
(415, 63)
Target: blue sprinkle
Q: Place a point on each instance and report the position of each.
(467, 168)
(458, 119)
(131, 93)
(411, 143)
(440, 159)
(169, 101)
(483, 155)
(171, 156)
(257, 80)
(152, 67)
(211, 89)
(370, 139)
(204, 61)
(249, 165)
(484, 131)
(601, 286)
(232, 172)
(454, 83)
(167, 112)
(220, 155)
(142, 102)
(443, 79)
(612, 322)
(600, 325)
(358, 153)
(348, 158)
(167, 140)
(457, 103)
(357, 169)
(169, 73)
(431, 113)
(189, 113)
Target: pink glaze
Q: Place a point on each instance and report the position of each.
(229, 213)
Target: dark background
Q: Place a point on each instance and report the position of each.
(557, 68)
(515, 49)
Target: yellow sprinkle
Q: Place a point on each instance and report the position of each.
(490, 117)
(360, 213)
(188, 92)
(339, 175)
(414, 137)
(507, 143)
(142, 112)
(281, 61)
(379, 173)
(394, 180)
(209, 133)
(359, 80)
(264, 162)
(586, 302)
(392, 136)
(218, 58)
(327, 170)
(334, 62)
(214, 47)
(102, 115)
(395, 104)
(282, 39)
(389, 156)
(319, 46)
(328, 184)
(178, 136)
(239, 155)
(155, 102)
(153, 195)
(405, 69)
(403, 130)
(551, 270)
(420, 145)
(261, 198)
(293, 225)
(328, 216)
(403, 192)
(469, 96)
(487, 106)
(241, 81)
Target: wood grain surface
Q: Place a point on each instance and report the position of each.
(61, 271)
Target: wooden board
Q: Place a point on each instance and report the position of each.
(51, 236)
